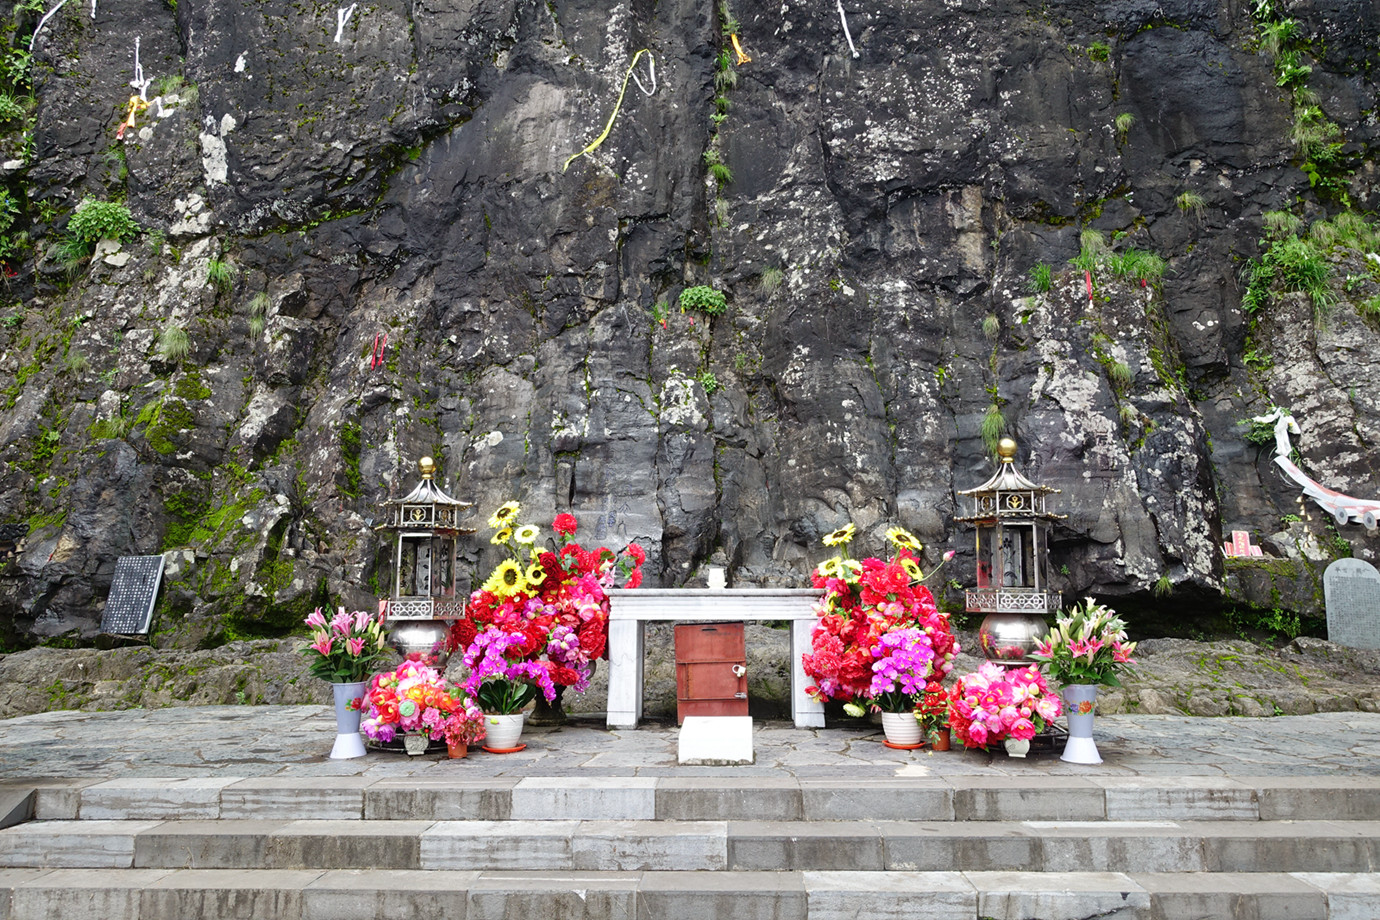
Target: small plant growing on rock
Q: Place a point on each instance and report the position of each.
(717, 169)
(709, 382)
(993, 427)
(220, 274)
(772, 278)
(173, 343)
(1190, 202)
(1041, 278)
(1121, 374)
(258, 313)
(1123, 123)
(75, 362)
(1281, 223)
(703, 298)
(94, 220)
(1099, 51)
(991, 326)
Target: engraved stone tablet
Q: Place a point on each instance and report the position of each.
(1351, 590)
(132, 593)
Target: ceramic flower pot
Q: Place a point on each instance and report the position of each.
(939, 739)
(503, 730)
(901, 728)
(348, 742)
(1080, 706)
(1016, 747)
(415, 744)
(457, 751)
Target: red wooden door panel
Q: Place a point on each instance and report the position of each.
(711, 675)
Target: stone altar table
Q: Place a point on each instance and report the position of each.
(629, 610)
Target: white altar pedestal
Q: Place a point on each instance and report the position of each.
(629, 610)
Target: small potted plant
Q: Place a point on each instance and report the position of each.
(503, 686)
(1087, 648)
(344, 651)
(462, 728)
(901, 662)
(934, 715)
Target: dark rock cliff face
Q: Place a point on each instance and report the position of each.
(317, 178)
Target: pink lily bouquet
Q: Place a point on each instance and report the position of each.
(1086, 646)
(345, 649)
(994, 704)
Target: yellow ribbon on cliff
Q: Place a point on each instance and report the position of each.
(594, 145)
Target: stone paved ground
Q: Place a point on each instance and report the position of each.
(293, 741)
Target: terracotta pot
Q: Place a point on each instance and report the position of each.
(458, 751)
(939, 739)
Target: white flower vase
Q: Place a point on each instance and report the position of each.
(1080, 705)
(415, 744)
(1017, 747)
(902, 728)
(502, 730)
(348, 742)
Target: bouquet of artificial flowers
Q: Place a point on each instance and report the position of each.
(864, 601)
(902, 659)
(414, 699)
(995, 703)
(1086, 646)
(546, 605)
(345, 649)
(465, 725)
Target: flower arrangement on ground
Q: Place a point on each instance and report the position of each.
(880, 637)
(996, 703)
(464, 725)
(414, 699)
(933, 711)
(1086, 646)
(346, 648)
(541, 618)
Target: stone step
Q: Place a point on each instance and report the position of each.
(711, 798)
(165, 894)
(705, 846)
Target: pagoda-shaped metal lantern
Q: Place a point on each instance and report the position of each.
(424, 597)
(1012, 524)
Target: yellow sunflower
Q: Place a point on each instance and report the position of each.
(913, 569)
(503, 536)
(527, 533)
(831, 568)
(504, 516)
(850, 569)
(841, 537)
(904, 539)
(506, 580)
(535, 575)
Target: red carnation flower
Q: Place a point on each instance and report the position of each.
(638, 553)
(564, 524)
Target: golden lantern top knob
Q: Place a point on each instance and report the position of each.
(427, 467)
(1006, 450)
